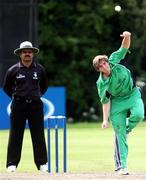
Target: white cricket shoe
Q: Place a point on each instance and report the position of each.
(11, 168)
(44, 167)
(117, 169)
(123, 172)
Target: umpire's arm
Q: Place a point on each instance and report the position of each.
(8, 83)
(43, 82)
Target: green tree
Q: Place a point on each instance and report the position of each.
(72, 33)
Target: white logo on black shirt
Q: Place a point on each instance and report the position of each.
(35, 76)
(20, 76)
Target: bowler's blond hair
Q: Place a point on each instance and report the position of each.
(97, 59)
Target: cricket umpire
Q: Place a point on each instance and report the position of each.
(25, 82)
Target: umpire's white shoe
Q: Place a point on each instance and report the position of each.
(11, 168)
(44, 167)
(123, 172)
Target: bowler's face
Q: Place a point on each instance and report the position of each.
(103, 66)
(26, 55)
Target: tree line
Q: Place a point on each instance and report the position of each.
(71, 33)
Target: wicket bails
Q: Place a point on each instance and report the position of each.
(57, 122)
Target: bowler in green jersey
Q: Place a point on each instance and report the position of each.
(119, 95)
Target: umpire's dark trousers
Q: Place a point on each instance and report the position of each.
(22, 110)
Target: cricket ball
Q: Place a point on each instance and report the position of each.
(118, 8)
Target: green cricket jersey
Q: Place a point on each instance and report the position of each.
(119, 83)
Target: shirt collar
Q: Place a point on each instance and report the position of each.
(32, 65)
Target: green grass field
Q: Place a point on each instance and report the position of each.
(89, 149)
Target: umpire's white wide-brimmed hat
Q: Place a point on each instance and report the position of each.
(26, 45)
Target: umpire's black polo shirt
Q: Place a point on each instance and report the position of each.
(24, 81)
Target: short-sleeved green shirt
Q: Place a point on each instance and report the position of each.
(119, 83)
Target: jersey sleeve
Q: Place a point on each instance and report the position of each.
(102, 92)
(8, 83)
(43, 81)
(118, 55)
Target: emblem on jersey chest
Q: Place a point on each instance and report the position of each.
(20, 76)
(35, 76)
